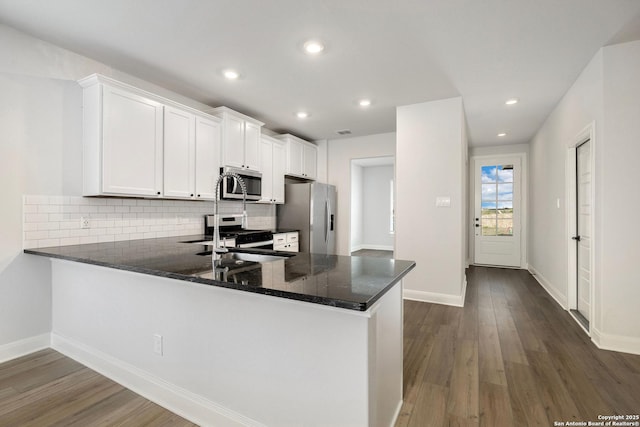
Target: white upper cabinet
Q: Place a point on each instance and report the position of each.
(138, 144)
(301, 158)
(122, 153)
(179, 153)
(191, 154)
(279, 170)
(310, 161)
(208, 135)
(272, 163)
(240, 139)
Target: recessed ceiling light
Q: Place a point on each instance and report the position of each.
(230, 74)
(313, 47)
(364, 102)
(302, 114)
(502, 134)
(511, 101)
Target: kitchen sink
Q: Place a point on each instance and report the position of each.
(242, 257)
(199, 242)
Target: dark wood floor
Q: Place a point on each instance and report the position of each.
(49, 389)
(510, 357)
(376, 253)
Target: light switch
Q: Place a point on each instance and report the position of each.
(443, 201)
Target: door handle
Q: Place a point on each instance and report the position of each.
(576, 238)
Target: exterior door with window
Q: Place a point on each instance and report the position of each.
(497, 212)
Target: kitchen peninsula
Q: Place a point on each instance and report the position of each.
(302, 339)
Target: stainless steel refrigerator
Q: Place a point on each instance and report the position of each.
(310, 208)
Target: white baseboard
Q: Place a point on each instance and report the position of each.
(547, 286)
(436, 298)
(615, 342)
(24, 346)
(184, 403)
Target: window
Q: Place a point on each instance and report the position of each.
(497, 200)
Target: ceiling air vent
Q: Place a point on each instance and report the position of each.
(344, 132)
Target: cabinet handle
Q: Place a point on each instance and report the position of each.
(198, 195)
(158, 193)
(192, 195)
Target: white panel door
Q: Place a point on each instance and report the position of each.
(207, 157)
(252, 146)
(233, 142)
(266, 166)
(497, 212)
(583, 237)
(294, 158)
(179, 153)
(310, 161)
(279, 170)
(132, 144)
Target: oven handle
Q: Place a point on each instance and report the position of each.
(255, 244)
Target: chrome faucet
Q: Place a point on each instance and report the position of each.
(217, 249)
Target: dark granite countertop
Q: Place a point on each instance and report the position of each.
(353, 283)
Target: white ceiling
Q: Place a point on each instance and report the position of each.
(394, 52)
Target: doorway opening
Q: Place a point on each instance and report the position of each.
(373, 207)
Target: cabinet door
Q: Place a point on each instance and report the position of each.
(278, 171)
(310, 161)
(207, 157)
(131, 144)
(266, 166)
(294, 158)
(179, 153)
(233, 142)
(252, 146)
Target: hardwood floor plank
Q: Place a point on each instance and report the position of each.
(526, 404)
(430, 407)
(556, 399)
(463, 401)
(495, 406)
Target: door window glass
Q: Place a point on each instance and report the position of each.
(497, 200)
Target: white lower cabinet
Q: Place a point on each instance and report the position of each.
(286, 242)
(139, 144)
(272, 165)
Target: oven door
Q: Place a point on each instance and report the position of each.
(231, 189)
(257, 245)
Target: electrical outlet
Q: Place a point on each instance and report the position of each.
(85, 222)
(157, 344)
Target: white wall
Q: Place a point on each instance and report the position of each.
(430, 163)
(606, 93)
(339, 155)
(376, 213)
(40, 154)
(357, 207)
(547, 223)
(618, 198)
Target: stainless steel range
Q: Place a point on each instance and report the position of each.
(232, 235)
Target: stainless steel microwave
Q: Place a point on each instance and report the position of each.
(230, 188)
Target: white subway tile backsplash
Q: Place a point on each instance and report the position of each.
(55, 220)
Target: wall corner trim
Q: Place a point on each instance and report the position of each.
(611, 342)
(177, 400)
(25, 346)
